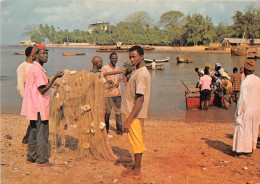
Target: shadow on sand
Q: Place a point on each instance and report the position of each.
(219, 145)
(124, 157)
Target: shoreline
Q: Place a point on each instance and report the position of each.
(177, 49)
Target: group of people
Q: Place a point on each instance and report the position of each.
(33, 86)
(242, 88)
(217, 81)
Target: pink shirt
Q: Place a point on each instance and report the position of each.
(33, 100)
(115, 78)
(205, 82)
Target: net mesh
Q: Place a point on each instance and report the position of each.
(77, 108)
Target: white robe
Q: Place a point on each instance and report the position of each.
(247, 115)
(22, 72)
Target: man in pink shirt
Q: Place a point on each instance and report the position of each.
(113, 93)
(36, 103)
(205, 94)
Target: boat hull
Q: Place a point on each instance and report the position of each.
(157, 60)
(18, 53)
(184, 60)
(74, 54)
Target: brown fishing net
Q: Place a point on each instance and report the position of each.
(77, 110)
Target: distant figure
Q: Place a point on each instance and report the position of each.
(247, 115)
(22, 72)
(226, 87)
(97, 64)
(242, 74)
(36, 107)
(205, 94)
(113, 93)
(236, 81)
(135, 106)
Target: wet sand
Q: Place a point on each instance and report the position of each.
(177, 152)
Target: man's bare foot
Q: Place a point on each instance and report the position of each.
(131, 174)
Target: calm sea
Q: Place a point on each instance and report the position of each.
(167, 93)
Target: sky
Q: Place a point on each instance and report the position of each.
(17, 15)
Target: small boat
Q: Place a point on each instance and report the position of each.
(251, 56)
(74, 54)
(236, 52)
(148, 48)
(184, 60)
(114, 49)
(193, 98)
(157, 60)
(18, 53)
(157, 66)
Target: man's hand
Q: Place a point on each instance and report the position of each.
(126, 126)
(59, 74)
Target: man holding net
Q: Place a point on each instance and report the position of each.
(36, 103)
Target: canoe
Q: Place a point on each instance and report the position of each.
(193, 98)
(157, 66)
(157, 60)
(251, 56)
(180, 59)
(108, 49)
(73, 54)
(148, 48)
(235, 52)
(18, 53)
(184, 60)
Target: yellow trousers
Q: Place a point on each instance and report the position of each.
(135, 136)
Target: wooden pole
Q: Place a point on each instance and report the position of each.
(185, 86)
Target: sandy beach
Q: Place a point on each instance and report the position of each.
(177, 152)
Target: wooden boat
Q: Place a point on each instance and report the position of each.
(236, 52)
(74, 54)
(108, 49)
(148, 48)
(157, 60)
(193, 98)
(184, 60)
(251, 56)
(18, 53)
(157, 66)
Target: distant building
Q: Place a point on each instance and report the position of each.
(240, 41)
(26, 43)
(102, 25)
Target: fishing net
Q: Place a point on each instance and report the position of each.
(77, 110)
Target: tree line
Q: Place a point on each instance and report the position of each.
(173, 29)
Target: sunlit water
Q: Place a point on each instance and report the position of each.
(167, 91)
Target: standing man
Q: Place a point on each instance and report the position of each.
(23, 69)
(235, 80)
(205, 90)
(22, 72)
(97, 64)
(135, 106)
(113, 93)
(247, 116)
(36, 104)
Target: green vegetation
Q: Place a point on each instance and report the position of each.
(173, 29)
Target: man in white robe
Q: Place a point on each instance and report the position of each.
(247, 115)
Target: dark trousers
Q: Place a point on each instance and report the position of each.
(109, 103)
(26, 137)
(38, 141)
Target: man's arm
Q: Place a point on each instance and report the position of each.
(137, 106)
(44, 88)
